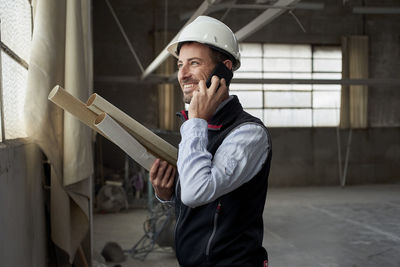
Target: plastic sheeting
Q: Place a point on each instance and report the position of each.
(354, 98)
(61, 54)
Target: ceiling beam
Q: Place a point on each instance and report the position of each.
(376, 10)
(158, 79)
(256, 24)
(164, 53)
(263, 19)
(232, 5)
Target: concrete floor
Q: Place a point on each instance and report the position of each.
(304, 227)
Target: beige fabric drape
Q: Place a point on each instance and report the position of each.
(354, 98)
(61, 53)
(169, 97)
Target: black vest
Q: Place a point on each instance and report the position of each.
(228, 231)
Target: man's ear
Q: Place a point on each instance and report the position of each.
(228, 64)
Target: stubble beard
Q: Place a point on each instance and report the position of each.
(187, 99)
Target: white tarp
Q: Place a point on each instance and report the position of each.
(61, 53)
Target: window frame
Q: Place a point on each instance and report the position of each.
(19, 60)
(314, 110)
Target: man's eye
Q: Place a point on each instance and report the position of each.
(179, 66)
(194, 63)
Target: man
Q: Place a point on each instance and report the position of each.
(223, 162)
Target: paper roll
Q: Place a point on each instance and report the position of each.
(147, 138)
(77, 108)
(124, 140)
(68, 102)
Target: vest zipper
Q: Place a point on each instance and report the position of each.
(217, 211)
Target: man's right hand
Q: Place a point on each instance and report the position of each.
(205, 101)
(162, 176)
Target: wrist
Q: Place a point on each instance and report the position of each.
(164, 196)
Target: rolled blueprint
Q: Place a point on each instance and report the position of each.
(124, 140)
(147, 138)
(68, 102)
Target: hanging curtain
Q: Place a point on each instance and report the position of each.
(61, 53)
(354, 99)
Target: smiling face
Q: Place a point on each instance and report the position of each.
(194, 64)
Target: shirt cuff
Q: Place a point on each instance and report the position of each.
(168, 202)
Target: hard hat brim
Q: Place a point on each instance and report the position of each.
(172, 48)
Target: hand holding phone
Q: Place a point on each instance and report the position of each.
(203, 105)
(222, 72)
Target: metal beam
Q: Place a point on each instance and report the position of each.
(13, 55)
(376, 10)
(256, 24)
(321, 81)
(128, 42)
(232, 5)
(164, 53)
(317, 6)
(263, 19)
(157, 79)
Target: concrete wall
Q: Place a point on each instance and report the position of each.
(302, 156)
(22, 218)
(384, 101)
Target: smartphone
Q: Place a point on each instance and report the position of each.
(222, 72)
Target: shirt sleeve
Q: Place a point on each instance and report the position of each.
(239, 158)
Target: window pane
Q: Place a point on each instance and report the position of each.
(331, 65)
(280, 87)
(245, 86)
(16, 26)
(283, 50)
(301, 87)
(287, 99)
(326, 99)
(327, 76)
(287, 65)
(256, 113)
(250, 50)
(250, 64)
(250, 99)
(327, 52)
(326, 117)
(275, 87)
(277, 75)
(247, 75)
(287, 75)
(287, 117)
(287, 105)
(14, 85)
(327, 87)
(304, 75)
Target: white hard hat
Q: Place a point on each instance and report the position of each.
(212, 32)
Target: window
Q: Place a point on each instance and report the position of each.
(290, 105)
(15, 37)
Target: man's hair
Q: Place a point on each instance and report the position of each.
(217, 55)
